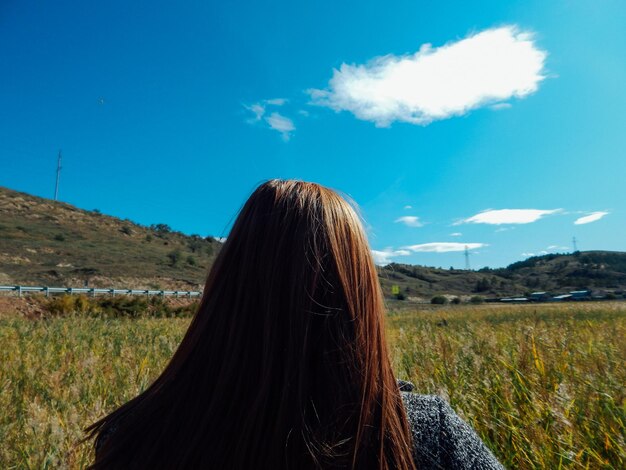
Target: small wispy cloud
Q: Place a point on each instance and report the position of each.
(409, 221)
(486, 68)
(408, 207)
(276, 101)
(587, 219)
(508, 216)
(443, 247)
(500, 106)
(383, 257)
(456, 234)
(275, 120)
(258, 110)
(282, 124)
(557, 248)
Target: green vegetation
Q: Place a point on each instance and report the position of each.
(43, 242)
(544, 385)
(121, 306)
(439, 300)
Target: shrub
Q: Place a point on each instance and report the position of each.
(191, 261)
(174, 257)
(126, 230)
(455, 301)
(476, 299)
(161, 228)
(400, 296)
(439, 300)
(59, 237)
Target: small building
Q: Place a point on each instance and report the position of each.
(581, 294)
(539, 297)
(514, 300)
(562, 297)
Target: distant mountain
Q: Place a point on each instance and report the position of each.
(555, 273)
(44, 242)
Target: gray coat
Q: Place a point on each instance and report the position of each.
(442, 440)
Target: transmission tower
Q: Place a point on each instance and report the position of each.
(56, 187)
(574, 244)
(467, 263)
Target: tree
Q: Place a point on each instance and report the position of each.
(174, 257)
(161, 228)
(439, 300)
(482, 285)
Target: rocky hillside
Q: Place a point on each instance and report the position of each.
(44, 242)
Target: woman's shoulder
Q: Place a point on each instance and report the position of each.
(441, 439)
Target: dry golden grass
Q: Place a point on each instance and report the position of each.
(544, 386)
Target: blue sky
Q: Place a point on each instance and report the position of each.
(500, 135)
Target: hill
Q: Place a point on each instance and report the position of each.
(52, 243)
(596, 270)
(44, 242)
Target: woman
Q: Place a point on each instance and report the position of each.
(285, 363)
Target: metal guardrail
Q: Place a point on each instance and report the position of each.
(93, 291)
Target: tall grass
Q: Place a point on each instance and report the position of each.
(544, 388)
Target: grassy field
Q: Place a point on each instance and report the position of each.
(544, 386)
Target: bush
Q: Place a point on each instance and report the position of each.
(191, 261)
(476, 299)
(400, 296)
(455, 301)
(174, 257)
(59, 237)
(126, 230)
(70, 304)
(119, 306)
(439, 300)
(161, 228)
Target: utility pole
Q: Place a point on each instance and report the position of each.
(56, 188)
(574, 244)
(467, 263)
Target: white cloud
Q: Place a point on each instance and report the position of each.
(557, 248)
(456, 234)
(590, 218)
(500, 106)
(220, 239)
(258, 110)
(282, 124)
(276, 101)
(443, 247)
(486, 68)
(409, 221)
(507, 216)
(384, 257)
(275, 120)
(408, 207)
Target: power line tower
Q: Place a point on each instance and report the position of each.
(56, 187)
(467, 263)
(574, 244)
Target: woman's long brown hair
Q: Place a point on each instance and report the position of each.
(285, 363)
